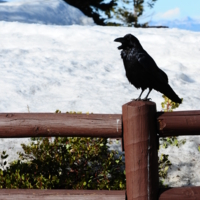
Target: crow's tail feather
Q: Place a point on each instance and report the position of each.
(169, 92)
(172, 95)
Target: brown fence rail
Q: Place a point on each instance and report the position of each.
(181, 193)
(140, 126)
(22, 194)
(19, 125)
(178, 123)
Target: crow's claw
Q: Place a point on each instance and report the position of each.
(146, 99)
(138, 99)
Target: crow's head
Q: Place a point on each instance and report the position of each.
(128, 41)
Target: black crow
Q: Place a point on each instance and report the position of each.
(141, 69)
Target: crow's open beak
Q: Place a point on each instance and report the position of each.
(119, 40)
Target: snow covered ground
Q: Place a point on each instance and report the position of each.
(44, 67)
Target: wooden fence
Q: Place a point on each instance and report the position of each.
(139, 126)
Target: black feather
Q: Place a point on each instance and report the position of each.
(141, 70)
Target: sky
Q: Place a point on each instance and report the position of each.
(175, 9)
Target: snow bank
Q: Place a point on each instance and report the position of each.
(55, 12)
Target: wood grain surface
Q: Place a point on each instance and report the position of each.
(24, 194)
(180, 193)
(178, 123)
(19, 125)
(141, 156)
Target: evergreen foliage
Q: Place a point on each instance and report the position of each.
(127, 12)
(92, 8)
(130, 17)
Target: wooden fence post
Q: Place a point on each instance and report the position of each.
(141, 155)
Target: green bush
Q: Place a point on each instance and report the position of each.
(168, 105)
(65, 163)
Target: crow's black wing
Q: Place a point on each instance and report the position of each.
(157, 79)
(150, 66)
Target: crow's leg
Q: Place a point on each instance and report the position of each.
(139, 98)
(147, 99)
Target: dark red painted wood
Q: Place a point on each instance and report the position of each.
(18, 125)
(24, 194)
(181, 193)
(140, 143)
(178, 123)
(13, 125)
(139, 123)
